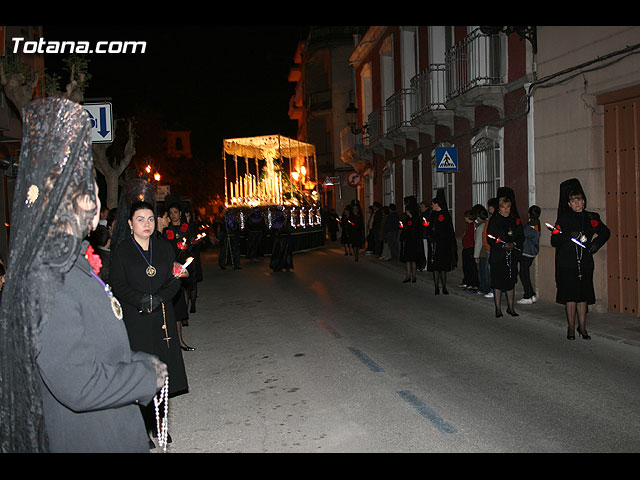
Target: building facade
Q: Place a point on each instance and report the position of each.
(324, 90)
(418, 88)
(587, 126)
(10, 122)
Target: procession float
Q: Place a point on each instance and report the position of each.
(268, 178)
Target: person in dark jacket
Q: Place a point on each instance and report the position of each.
(530, 249)
(505, 237)
(144, 281)
(443, 249)
(282, 252)
(577, 235)
(355, 229)
(70, 380)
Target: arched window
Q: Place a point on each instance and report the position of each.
(486, 166)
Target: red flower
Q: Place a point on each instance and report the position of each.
(94, 260)
(170, 234)
(184, 227)
(441, 218)
(518, 221)
(594, 223)
(409, 223)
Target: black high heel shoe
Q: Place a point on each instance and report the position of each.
(513, 313)
(498, 313)
(187, 348)
(570, 334)
(445, 291)
(584, 335)
(437, 292)
(413, 280)
(406, 280)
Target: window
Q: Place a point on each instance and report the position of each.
(388, 184)
(486, 166)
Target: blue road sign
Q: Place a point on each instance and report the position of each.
(447, 159)
(101, 122)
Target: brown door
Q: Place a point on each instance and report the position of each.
(622, 177)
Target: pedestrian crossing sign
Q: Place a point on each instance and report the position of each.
(446, 159)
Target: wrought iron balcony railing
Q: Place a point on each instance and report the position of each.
(478, 59)
(399, 108)
(430, 89)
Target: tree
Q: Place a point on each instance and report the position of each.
(19, 82)
(112, 170)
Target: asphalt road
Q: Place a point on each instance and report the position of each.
(339, 356)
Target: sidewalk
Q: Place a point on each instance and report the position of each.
(614, 326)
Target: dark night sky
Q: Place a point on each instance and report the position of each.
(218, 81)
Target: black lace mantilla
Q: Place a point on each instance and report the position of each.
(55, 171)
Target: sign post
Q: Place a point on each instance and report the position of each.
(101, 121)
(446, 159)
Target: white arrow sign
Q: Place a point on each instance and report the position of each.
(101, 122)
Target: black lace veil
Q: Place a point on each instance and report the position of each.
(54, 205)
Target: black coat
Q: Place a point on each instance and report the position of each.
(355, 229)
(411, 244)
(504, 263)
(574, 280)
(133, 287)
(91, 378)
(443, 248)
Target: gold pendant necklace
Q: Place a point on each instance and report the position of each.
(151, 270)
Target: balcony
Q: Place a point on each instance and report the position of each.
(429, 106)
(398, 116)
(378, 141)
(354, 148)
(476, 73)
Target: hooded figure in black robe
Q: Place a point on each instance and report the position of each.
(441, 238)
(282, 253)
(577, 235)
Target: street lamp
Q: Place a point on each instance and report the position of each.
(352, 120)
(529, 33)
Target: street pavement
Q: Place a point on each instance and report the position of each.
(274, 371)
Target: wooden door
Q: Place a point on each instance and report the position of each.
(622, 176)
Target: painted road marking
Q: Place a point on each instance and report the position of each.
(424, 410)
(366, 360)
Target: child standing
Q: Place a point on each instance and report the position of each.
(530, 249)
(480, 252)
(469, 269)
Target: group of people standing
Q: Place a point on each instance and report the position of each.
(90, 343)
(497, 246)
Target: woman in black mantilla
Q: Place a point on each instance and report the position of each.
(179, 235)
(505, 236)
(70, 380)
(443, 248)
(574, 262)
(142, 277)
(411, 245)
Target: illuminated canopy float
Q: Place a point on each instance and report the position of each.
(268, 174)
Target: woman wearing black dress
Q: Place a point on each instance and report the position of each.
(410, 242)
(574, 262)
(443, 249)
(505, 236)
(142, 278)
(355, 227)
